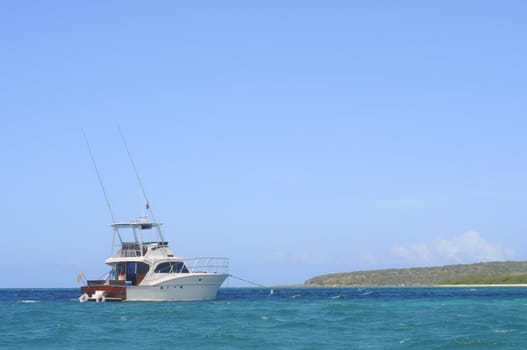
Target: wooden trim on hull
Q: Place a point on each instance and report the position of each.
(111, 293)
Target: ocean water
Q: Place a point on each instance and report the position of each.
(246, 318)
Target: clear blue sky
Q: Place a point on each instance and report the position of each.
(294, 137)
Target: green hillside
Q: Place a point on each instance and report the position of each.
(500, 272)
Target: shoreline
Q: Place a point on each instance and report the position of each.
(422, 286)
(480, 285)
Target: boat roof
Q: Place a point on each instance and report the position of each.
(141, 224)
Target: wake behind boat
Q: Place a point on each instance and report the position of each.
(150, 271)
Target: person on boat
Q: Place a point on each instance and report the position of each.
(122, 276)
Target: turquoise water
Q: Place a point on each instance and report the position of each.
(311, 318)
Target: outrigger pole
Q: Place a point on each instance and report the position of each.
(100, 182)
(148, 207)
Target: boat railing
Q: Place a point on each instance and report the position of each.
(208, 264)
(135, 249)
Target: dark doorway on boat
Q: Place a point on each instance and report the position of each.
(134, 271)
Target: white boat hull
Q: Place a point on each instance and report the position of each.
(188, 288)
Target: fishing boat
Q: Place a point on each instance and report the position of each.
(144, 268)
(148, 270)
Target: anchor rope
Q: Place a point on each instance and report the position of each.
(247, 281)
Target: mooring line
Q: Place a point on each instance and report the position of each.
(247, 281)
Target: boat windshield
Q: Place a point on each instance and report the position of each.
(171, 267)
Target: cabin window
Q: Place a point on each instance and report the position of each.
(171, 267)
(131, 268)
(142, 267)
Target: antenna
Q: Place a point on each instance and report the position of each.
(148, 207)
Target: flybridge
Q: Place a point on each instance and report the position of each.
(137, 247)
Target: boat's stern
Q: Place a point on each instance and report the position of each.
(101, 291)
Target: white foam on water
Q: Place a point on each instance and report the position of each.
(503, 330)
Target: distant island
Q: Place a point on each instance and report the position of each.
(485, 273)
